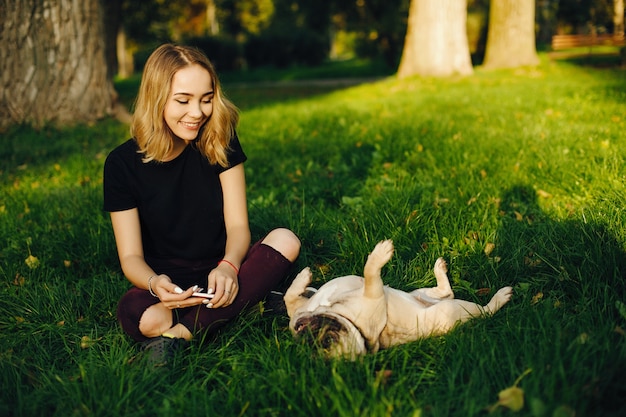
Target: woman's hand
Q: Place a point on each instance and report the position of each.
(171, 295)
(224, 284)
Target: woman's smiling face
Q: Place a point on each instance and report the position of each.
(190, 102)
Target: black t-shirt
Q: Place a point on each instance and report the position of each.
(180, 201)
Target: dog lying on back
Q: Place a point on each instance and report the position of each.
(351, 316)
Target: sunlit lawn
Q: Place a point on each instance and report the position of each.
(515, 177)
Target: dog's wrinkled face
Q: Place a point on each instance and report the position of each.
(337, 318)
(333, 335)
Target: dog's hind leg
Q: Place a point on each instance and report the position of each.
(449, 312)
(294, 296)
(499, 299)
(443, 290)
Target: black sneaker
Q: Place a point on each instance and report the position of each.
(275, 304)
(275, 301)
(162, 349)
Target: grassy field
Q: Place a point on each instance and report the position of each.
(515, 177)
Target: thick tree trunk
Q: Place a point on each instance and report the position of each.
(511, 36)
(436, 40)
(53, 62)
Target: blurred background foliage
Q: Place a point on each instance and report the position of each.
(248, 34)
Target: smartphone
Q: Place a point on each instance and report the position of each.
(202, 294)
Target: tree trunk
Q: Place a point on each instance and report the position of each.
(125, 59)
(436, 40)
(618, 18)
(511, 36)
(53, 59)
(213, 27)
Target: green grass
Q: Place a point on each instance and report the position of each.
(527, 162)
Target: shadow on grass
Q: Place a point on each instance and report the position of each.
(256, 94)
(599, 56)
(574, 267)
(26, 148)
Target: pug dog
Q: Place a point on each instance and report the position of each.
(350, 316)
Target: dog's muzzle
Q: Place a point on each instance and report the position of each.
(326, 327)
(331, 333)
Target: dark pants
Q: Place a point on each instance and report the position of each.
(262, 270)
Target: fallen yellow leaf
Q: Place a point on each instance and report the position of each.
(536, 298)
(19, 280)
(32, 262)
(512, 398)
(86, 342)
(543, 194)
(324, 269)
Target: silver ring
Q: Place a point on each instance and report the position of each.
(178, 305)
(227, 292)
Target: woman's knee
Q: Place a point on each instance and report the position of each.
(284, 241)
(155, 320)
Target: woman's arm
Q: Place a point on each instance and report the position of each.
(235, 214)
(127, 231)
(223, 279)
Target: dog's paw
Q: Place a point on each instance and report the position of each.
(500, 298)
(441, 265)
(303, 278)
(504, 293)
(383, 252)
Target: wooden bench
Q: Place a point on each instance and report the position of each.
(560, 42)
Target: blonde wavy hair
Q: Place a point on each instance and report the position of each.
(148, 126)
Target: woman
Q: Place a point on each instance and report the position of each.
(177, 199)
